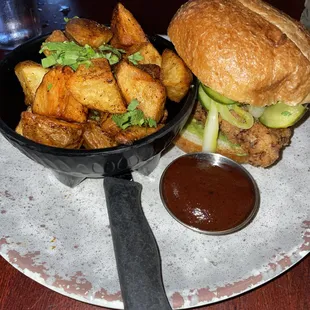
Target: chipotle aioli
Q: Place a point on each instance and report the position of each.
(206, 196)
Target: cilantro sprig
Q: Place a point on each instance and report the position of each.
(67, 19)
(133, 117)
(71, 54)
(135, 58)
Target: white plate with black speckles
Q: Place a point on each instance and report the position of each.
(60, 237)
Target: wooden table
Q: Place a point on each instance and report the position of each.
(288, 291)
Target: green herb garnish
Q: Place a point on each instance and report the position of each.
(66, 19)
(71, 54)
(49, 86)
(286, 113)
(117, 51)
(135, 58)
(133, 117)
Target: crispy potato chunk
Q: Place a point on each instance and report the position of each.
(134, 133)
(55, 36)
(165, 117)
(96, 88)
(148, 52)
(50, 131)
(152, 70)
(137, 84)
(95, 138)
(125, 28)
(175, 75)
(19, 128)
(85, 31)
(150, 55)
(54, 100)
(30, 75)
(110, 127)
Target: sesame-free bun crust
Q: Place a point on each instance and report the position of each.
(244, 49)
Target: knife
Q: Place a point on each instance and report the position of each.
(136, 251)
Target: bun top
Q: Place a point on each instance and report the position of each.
(244, 49)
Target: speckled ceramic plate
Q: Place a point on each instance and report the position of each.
(60, 237)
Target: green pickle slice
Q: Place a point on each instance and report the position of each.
(216, 96)
(281, 115)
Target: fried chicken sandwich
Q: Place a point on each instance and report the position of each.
(253, 64)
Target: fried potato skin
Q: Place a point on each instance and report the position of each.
(30, 75)
(125, 28)
(50, 131)
(85, 31)
(151, 69)
(110, 127)
(95, 138)
(96, 88)
(54, 100)
(134, 133)
(55, 36)
(175, 75)
(137, 84)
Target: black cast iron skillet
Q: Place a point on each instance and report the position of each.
(137, 255)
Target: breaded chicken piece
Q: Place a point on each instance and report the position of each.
(85, 31)
(262, 144)
(134, 133)
(96, 88)
(53, 99)
(95, 138)
(50, 131)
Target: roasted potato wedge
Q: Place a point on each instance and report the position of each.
(85, 31)
(134, 133)
(96, 88)
(125, 28)
(148, 52)
(54, 100)
(55, 36)
(19, 128)
(175, 75)
(110, 127)
(30, 75)
(50, 131)
(137, 84)
(152, 70)
(95, 138)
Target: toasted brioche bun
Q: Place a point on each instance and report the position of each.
(244, 49)
(190, 143)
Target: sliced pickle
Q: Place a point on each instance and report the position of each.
(216, 96)
(281, 115)
(203, 98)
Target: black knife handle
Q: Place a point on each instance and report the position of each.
(137, 255)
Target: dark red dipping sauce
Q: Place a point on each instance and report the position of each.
(206, 196)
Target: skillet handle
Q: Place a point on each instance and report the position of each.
(135, 247)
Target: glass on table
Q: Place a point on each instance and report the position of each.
(19, 21)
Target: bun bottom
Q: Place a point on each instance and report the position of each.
(190, 143)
